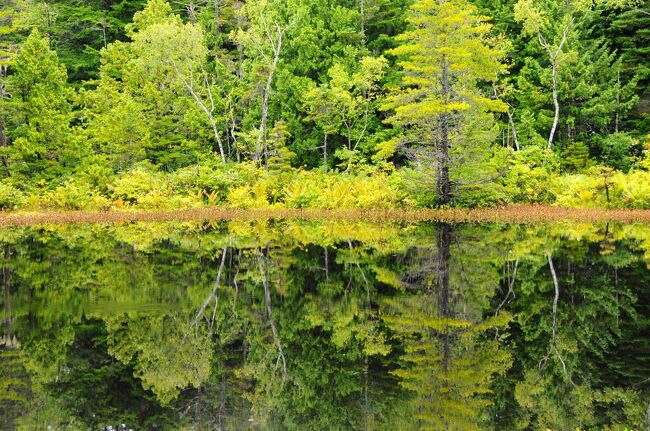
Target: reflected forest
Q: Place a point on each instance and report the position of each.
(304, 325)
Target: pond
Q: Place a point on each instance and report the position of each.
(307, 325)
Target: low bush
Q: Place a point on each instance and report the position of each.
(74, 194)
(529, 174)
(10, 196)
(603, 187)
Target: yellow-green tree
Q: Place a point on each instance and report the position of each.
(446, 56)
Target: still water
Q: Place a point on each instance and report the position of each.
(296, 325)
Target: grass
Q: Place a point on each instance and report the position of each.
(509, 214)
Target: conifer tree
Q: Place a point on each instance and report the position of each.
(447, 55)
(39, 113)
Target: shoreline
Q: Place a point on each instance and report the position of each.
(508, 214)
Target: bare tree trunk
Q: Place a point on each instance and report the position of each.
(618, 101)
(6, 285)
(4, 143)
(511, 287)
(190, 8)
(362, 12)
(277, 47)
(208, 111)
(511, 121)
(556, 287)
(4, 140)
(556, 104)
(213, 292)
(327, 263)
(553, 57)
(361, 135)
(553, 348)
(443, 241)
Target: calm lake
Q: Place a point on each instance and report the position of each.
(305, 325)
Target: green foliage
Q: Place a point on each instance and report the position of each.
(618, 150)
(396, 94)
(576, 157)
(74, 195)
(39, 115)
(10, 197)
(604, 188)
(529, 173)
(146, 187)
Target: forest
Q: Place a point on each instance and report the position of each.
(346, 104)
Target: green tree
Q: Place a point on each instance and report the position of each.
(345, 105)
(447, 56)
(154, 99)
(43, 145)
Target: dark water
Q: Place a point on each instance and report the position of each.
(334, 326)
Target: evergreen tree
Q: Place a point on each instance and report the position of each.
(39, 113)
(448, 55)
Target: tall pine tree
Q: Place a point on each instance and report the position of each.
(447, 55)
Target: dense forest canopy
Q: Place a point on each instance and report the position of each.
(473, 102)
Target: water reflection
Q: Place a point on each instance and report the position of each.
(302, 325)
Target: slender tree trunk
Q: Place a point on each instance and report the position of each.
(4, 140)
(511, 121)
(618, 101)
(208, 111)
(213, 292)
(216, 16)
(362, 12)
(556, 104)
(325, 154)
(264, 269)
(556, 297)
(553, 347)
(443, 187)
(4, 143)
(553, 57)
(6, 285)
(265, 100)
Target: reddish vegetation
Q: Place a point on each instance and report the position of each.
(517, 214)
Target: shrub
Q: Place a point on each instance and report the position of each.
(302, 191)
(575, 157)
(214, 180)
(72, 195)
(249, 196)
(140, 181)
(603, 187)
(10, 197)
(417, 186)
(528, 175)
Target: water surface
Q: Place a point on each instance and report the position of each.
(305, 325)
